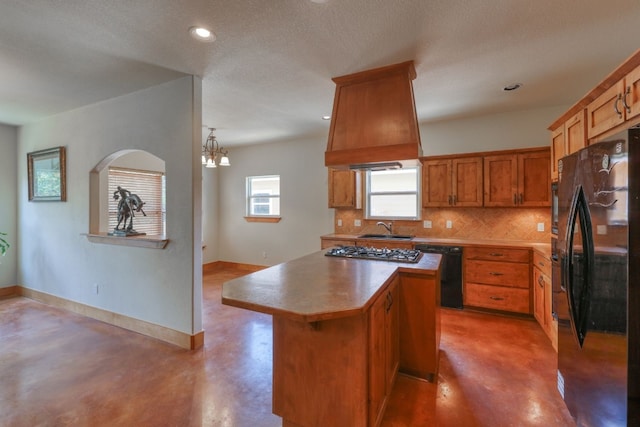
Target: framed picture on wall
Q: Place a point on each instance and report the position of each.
(47, 175)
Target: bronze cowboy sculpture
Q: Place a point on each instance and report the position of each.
(128, 205)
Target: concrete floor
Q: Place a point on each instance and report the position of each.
(61, 369)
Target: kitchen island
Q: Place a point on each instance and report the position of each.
(342, 329)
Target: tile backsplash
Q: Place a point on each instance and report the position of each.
(466, 223)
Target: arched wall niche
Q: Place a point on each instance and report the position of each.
(99, 180)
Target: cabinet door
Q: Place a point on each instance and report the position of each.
(539, 298)
(344, 189)
(534, 180)
(377, 358)
(576, 137)
(500, 180)
(466, 181)
(558, 150)
(606, 111)
(393, 333)
(436, 183)
(632, 93)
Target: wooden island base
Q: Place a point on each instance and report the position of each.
(335, 359)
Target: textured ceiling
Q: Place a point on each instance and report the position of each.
(268, 75)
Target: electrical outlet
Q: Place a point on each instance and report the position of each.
(357, 223)
(601, 229)
(541, 226)
(339, 223)
(427, 224)
(449, 224)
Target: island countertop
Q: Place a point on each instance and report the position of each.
(318, 287)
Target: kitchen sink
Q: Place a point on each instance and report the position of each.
(386, 236)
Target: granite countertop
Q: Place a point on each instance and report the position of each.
(317, 287)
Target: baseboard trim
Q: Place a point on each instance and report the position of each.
(181, 339)
(221, 265)
(10, 291)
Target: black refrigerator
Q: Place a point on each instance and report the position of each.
(597, 299)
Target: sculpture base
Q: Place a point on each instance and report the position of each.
(125, 233)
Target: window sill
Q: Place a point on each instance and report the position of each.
(262, 218)
(151, 242)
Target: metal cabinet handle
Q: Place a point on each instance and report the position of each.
(624, 100)
(541, 281)
(496, 298)
(541, 264)
(455, 199)
(615, 106)
(450, 199)
(493, 273)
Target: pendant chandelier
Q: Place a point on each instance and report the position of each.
(212, 152)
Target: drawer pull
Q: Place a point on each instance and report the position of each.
(541, 281)
(495, 254)
(496, 298)
(541, 264)
(493, 273)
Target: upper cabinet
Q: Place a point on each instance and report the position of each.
(345, 189)
(521, 180)
(616, 105)
(452, 182)
(568, 138)
(610, 107)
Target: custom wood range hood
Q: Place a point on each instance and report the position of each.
(374, 123)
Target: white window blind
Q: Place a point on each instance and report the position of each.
(150, 187)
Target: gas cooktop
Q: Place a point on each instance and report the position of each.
(380, 254)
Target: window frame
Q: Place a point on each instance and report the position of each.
(271, 197)
(417, 193)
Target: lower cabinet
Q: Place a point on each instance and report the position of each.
(498, 278)
(542, 297)
(384, 322)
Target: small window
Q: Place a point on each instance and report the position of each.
(150, 187)
(263, 195)
(393, 194)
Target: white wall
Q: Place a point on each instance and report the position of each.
(304, 211)
(157, 286)
(8, 202)
(518, 129)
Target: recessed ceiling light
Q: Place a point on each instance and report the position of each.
(202, 34)
(326, 117)
(511, 87)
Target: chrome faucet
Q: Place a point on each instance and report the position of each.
(388, 227)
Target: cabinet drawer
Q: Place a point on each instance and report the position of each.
(543, 263)
(508, 274)
(497, 254)
(497, 297)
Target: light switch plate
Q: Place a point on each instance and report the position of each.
(541, 226)
(449, 224)
(339, 223)
(427, 224)
(357, 223)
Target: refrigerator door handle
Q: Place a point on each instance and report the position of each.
(579, 303)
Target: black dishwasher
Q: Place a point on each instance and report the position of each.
(450, 274)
